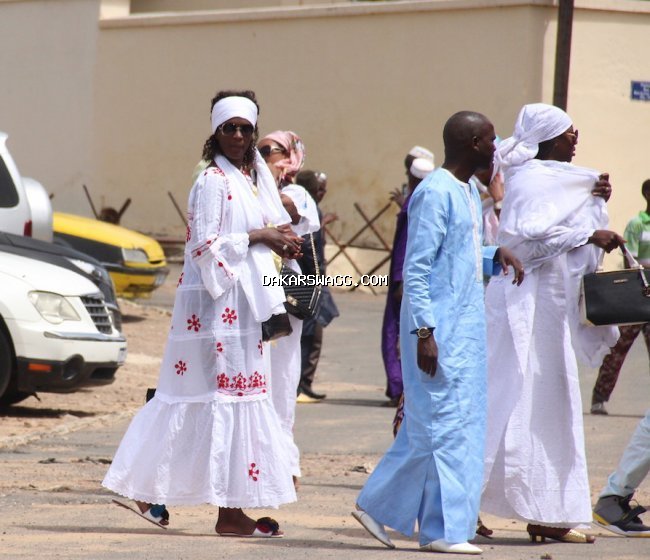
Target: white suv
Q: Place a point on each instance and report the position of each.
(55, 332)
(25, 207)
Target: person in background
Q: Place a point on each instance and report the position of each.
(417, 170)
(284, 153)
(311, 341)
(637, 239)
(613, 510)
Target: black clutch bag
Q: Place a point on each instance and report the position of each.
(620, 297)
(301, 291)
(276, 327)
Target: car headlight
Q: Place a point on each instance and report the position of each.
(134, 255)
(53, 307)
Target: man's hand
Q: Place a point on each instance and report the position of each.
(397, 196)
(507, 259)
(603, 188)
(428, 355)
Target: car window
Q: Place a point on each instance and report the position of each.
(8, 193)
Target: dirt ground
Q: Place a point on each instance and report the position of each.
(55, 452)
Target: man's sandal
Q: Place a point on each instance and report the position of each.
(156, 513)
(265, 528)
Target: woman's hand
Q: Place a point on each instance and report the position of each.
(506, 259)
(606, 240)
(281, 240)
(603, 188)
(290, 207)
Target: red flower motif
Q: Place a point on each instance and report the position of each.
(181, 367)
(193, 323)
(180, 279)
(257, 381)
(253, 472)
(238, 382)
(219, 347)
(260, 347)
(223, 381)
(229, 197)
(229, 315)
(188, 234)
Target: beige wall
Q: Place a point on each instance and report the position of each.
(122, 104)
(609, 50)
(361, 85)
(48, 57)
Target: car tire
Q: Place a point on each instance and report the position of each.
(6, 362)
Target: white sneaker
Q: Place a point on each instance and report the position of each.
(373, 527)
(441, 545)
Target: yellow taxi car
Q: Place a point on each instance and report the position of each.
(136, 262)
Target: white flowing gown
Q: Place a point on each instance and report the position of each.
(211, 433)
(535, 466)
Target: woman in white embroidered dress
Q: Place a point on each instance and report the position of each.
(553, 219)
(284, 153)
(211, 434)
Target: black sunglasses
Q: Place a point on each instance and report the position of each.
(229, 129)
(266, 151)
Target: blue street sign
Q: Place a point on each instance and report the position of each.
(640, 91)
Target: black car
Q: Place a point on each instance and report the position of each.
(69, 258)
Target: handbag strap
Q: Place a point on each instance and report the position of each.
(636, 265)
(313, 252)
(630, 258)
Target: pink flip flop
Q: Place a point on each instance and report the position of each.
(265, 528)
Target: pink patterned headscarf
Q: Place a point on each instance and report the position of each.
(293, 145)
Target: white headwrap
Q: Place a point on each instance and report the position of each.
(234, 106)
(536, 123)
(420, 152)
(421, 167)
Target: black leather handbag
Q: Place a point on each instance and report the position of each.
(620, 297)
(301, 291)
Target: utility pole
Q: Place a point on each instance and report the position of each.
(563, 53)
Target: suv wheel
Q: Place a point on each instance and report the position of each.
(6, 362)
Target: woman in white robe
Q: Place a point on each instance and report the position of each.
(284, 153)
(535, 468)
(211, 434)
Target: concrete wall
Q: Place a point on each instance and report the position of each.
(360, 83)
(47, 66)
(610, 49)
(121, 102)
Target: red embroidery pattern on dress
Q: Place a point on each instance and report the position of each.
(260, 347)
(219, 347)
(253, 472)
(181, 367)
(223, 381)
(188, 234)
(205, 248)
(239, 385)
(229, 316)
(180, 279)
(216, 170)
(193, 323)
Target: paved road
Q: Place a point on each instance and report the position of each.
(64, 513)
